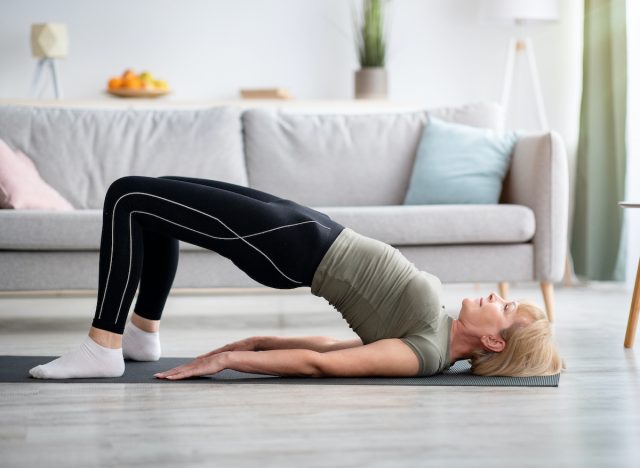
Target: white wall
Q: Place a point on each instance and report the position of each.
(440, 53)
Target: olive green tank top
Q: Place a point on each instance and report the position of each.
(381, 294)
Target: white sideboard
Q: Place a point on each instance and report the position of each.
(291, 105)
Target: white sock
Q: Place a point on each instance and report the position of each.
(89, 360)
(140, 345)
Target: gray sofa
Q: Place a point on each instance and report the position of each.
(354, 167)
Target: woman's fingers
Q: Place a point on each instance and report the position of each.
(175, 370)
(183, 373)
(248, 344)
(162, 375)
(211, 353)
(180, 375)
(215, 351)
(194, 368)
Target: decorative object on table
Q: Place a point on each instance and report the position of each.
(522, 12)
(130, 84)
(49, 42)
(371, 79)
(265, 93)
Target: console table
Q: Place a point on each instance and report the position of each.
(290, 105)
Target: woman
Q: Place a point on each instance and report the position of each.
(394, 308)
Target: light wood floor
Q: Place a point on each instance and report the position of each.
(592, 419)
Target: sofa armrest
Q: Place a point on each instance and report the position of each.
(538, 178)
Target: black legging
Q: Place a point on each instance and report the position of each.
(275, 241)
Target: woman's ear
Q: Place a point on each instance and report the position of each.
(493, 343)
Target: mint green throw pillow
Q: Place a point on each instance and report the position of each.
(458, 164)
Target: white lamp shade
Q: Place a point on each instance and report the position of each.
(49, 40)
(520, 10)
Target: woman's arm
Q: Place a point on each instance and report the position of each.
(321, 344)
(389, 357)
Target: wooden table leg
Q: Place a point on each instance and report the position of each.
(503, 289)
(632, 324)
(547, 294)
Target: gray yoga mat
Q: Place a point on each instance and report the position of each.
(16, 369)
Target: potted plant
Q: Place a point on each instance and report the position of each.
(371, 79)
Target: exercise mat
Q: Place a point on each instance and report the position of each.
(16, 369)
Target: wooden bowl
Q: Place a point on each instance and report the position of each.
(138, 93)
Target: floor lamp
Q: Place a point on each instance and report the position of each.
(522, 12)
(49, 42)
(525, 45)
(517, 46)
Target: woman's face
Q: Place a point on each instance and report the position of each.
(487, 315)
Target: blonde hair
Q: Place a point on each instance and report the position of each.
(529, 348)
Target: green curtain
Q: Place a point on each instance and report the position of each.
(597, 235)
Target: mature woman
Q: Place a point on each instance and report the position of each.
(394, 308)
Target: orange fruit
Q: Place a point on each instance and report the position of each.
(128, 73)
(132, 82)
(115, 83)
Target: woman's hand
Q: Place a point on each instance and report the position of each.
(209, 363)
(248, 344)
(199, 366)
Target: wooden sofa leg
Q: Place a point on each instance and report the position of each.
(567, 279)
(503, 289)
(547, 293)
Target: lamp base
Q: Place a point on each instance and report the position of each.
(46, 63)
(524, 45)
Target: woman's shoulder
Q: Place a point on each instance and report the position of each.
(429, 356)
(431, 344)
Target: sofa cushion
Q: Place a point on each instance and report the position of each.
(459, 164)
(79, 152)
(421, 225)
(21, 186)
(439, 224)
(342, 159)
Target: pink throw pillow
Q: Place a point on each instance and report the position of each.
(21, 186)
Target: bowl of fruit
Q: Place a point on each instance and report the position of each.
(130, 84)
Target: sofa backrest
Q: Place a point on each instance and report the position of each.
(314, 159)
(81, 151)
(343, 159)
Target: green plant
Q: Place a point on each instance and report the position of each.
(370, 36)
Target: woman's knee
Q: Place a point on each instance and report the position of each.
(124, 185)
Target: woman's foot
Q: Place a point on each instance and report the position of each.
(140, 345)
(89, 360)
